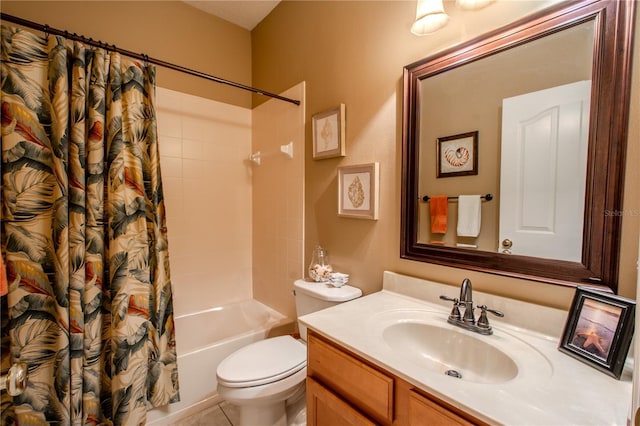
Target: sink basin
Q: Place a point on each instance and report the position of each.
(451, 352)
(424, 341)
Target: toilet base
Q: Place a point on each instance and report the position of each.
(293, 412)
(272, 415)
(297, 411)
(271, 404)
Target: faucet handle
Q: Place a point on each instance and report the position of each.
(455, 311)
(493, 311)
(483, 321)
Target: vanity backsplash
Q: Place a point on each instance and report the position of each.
(538, 318)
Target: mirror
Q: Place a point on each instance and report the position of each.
(539, 83)
(575, 46)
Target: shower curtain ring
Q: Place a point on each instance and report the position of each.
(46, 32)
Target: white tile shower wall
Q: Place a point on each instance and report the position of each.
(278, 200)
(204, 147)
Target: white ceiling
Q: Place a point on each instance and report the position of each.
(246, 14)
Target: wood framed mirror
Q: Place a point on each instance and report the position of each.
(609, 23)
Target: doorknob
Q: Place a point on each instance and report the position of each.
(15, 382)
(506, 246)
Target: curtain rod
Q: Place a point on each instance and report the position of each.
(96, 43)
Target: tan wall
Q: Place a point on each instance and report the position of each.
(354, 52)
(170, 31)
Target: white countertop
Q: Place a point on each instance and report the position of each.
(559, 391)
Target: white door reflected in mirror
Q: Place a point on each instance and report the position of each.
(542, 198)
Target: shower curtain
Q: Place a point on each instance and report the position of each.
(89, 307)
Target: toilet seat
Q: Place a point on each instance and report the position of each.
(263, 362)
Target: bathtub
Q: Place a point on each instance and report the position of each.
(203, 340)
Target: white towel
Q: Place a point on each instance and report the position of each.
(469, 215)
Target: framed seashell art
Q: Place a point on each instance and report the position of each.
(358, 188)
(457, 155)
(328, 133)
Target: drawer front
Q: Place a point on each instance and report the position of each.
(355, 381)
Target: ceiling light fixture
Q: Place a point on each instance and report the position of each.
(473, 4)
(430, 17)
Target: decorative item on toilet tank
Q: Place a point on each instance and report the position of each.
(320, 268)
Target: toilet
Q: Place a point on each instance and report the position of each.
(266, 379)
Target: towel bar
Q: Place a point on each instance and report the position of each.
(487, 197)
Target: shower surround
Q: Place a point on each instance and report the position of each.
(235, 230)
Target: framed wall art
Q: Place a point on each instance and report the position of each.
(358, 191)
(328, 133)
(599, 330)
(457, 155)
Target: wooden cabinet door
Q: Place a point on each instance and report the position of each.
(355, 381)
(324, 408)
(423, 411)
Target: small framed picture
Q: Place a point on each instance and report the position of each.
(457, 155)
(599, 330)
(328, 133)
(358, 191)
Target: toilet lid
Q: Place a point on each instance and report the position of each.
(263, 362)
(327, 292)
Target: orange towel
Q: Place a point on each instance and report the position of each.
(439, 205)
(4, 286)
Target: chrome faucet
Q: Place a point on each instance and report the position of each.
(468, 320)
(466, 300)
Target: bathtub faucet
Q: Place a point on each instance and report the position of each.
(468, 321)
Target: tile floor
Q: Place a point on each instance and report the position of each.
(223, 414)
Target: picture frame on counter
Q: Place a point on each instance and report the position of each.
(329, 133)
(358, 191)
(599, 329)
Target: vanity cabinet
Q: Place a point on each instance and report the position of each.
(326, 408)
(424, 411)
(344, 389)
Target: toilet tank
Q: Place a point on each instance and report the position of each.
(312, 296)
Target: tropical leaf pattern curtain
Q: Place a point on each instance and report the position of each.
(84, 235)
